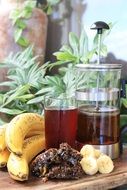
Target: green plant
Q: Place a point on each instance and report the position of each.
(78, 50)
(24, 80)
(19, 16)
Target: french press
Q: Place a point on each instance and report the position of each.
(98, 97)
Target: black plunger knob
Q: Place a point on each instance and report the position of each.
(99, 26)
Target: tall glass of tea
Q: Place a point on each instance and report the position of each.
(60, 121)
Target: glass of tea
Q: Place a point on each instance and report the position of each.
(60, 121)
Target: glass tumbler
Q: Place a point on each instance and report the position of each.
(60, 121)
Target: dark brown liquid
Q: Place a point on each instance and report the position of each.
(60, 126)
(97, 127)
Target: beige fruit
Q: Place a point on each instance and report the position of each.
(33, 133)
(17, 166)
(4, 155)
(2, 137)
(87, 150)
(19, 127)
(89, 165)
(97, 153)
(105, 164)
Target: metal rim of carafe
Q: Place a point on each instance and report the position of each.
(92, 95)
(98, 66)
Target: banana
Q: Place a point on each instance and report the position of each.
(19, 127)
(89, 165)
(4, 155)
(97, 153)
(18, 166)
(33, 133)
(87, 150)
(2, 137)
(105, 164)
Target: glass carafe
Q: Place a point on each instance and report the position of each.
(98, 96)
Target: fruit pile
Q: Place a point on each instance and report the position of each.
(94, 160)
(20, 141)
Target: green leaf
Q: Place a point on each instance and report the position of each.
(69, 81)
(20, 24)
(44, 90)
(1, 98)
(57, 63)
(83, 43)
(11, 111)
(14, 15)
(20, 91)
(17, 34)
(22, 41)
(25, 97)
(124, 102)
(26, 13)
(66, 48)
(30, 4)
(86, 59)
(65, 56)
(49, 10)
(36, 100)
(74, 42)
(7, 83)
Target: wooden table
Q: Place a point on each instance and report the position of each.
(97, 182)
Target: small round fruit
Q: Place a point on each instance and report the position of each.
(105, 164)
(87, 150)
(89, 165)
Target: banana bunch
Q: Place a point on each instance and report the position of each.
(93, 161)
(20, 141)
(18, 166)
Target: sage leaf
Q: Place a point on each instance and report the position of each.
(22, 41)
(21, 24)
(17, 34)
(66, 48)
(20, 91)
(30, 4)
(7, 83)
(26, 13)
(25, 97)
(44, 90)
(74, 42)
(14, 15)
(36, 100)
(83, 43)
(124, 102)
(1, 98)
(65, 56)
(11, 111)
(49, 10)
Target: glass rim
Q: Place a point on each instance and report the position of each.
(98, 66)
(54, 97)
